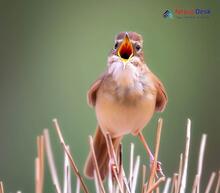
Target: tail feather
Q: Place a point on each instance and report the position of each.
(102, 156)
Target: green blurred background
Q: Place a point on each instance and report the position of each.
(51, 51)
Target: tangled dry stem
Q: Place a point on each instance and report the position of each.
(117, 181)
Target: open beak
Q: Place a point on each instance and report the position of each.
(125, 51)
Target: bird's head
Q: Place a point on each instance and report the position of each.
(126, 60)
(127, 47)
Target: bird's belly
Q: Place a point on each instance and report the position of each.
(119, 119)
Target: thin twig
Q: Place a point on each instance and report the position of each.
(39, 165)
(211, 179)
(96, 165)
(218, 183)
(110, 183)
(1, 187)
(66, 175)
(200, 160)
(174, 183)
(156, 184)
(186, 158)
(135, 174)
(131, 164)
(143, 177)
(157, 145)
(122, 172)
(69, 187)
(97, 186)
(180, 173)
(55, 187)
(72, 163)
(167, 185)
(42, 162)
(114, 169)
(77, 185)
(51, 161)
(37, 175)
(114, 162)
(111, 152)
(195, 183)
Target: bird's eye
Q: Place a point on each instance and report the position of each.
(138, 47)
(116, 45)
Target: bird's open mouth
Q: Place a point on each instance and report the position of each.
(125, 50)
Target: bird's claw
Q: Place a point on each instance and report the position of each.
(159, 169)
(113, 165)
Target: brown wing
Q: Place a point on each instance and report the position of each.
(161, 99)
(91, 94)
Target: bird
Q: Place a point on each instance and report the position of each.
(124, 97)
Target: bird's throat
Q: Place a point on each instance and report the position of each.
(125, 79)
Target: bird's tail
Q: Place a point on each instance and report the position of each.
(102, 156)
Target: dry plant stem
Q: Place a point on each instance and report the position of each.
(131, 164)
(211, 179)
(111, 152)
(37, 175)
(41, 161)
(121, 170)
(143, 177)
(167, 185)
(195, 183)
(135, 174)
(74, 168)
(145, 187)
(201, 158)
(51, 162)
(77, 185)
(113, 160)
(39, 165)
(186, 158)
(72, 163)
(69, 187)
(114, 163)
(157, 145)
(124, 179)
(174, 183)
(156, 184)
(179, 173)
(1, 187)
(110, 183)
(99, 179)
(218, 183)
(114, 169)
(97, 186)
(66, 175)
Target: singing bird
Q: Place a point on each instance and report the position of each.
(124, 97)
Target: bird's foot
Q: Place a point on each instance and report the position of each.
(159, 170)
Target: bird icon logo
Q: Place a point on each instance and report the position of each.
(168, 14)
